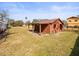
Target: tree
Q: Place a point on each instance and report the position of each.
(25, 17)
(35, 20)
(3, 15)
(18, 23)
(11, 22)
(27, 22)
(65, 23)
(3, 19)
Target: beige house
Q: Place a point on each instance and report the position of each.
(73, 23)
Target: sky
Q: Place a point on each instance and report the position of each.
(40, 10)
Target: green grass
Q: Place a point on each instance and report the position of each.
(21, 42)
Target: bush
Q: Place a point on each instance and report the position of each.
(15, 23)
(35, 20)
(11, 22)
(18, 23)
(27, 23)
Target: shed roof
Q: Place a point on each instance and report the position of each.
(46, 21)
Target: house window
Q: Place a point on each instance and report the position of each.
(75, 26)
(76, 20)
(69, 20)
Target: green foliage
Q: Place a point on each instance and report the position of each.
(27, 22)
(65, 23)
(35, 20)
(11, 22)
(18, 23)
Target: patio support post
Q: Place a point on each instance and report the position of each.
(33, 27)
(50, 28)
(39, 28)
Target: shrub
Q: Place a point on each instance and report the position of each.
(18, 23)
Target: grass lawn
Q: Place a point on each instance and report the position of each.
(22, 42)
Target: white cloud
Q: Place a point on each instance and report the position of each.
(59, 9)
(64, 11)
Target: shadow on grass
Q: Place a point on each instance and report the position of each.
(75, 50)
(4, 36)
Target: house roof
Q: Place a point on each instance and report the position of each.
(73, 17)
(47, 21)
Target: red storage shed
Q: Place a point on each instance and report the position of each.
(48, 26)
